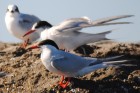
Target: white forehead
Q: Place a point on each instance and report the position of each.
(34, 25)
(12, 6)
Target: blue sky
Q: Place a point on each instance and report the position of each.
(55, 11)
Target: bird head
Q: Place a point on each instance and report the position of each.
(44, 42)
(38, 27)
(12, 10)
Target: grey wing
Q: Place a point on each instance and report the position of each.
(67, 62)
(101, 22)
(78, 19)
(108, 19)
(26, 21)
(73, 22)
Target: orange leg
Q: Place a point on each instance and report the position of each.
(62, 84)
(25, 43)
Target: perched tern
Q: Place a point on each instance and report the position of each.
(18, 23)
(67, 35)
(70, 65)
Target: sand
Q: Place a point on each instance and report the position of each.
(22, 71)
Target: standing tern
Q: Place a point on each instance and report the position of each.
(18, 23)
(70, 65)
(67, 35)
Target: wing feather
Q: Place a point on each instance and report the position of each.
(26, 21)
(67, 62)
(100, 22)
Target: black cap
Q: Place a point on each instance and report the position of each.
(48, 42)
(43, 24)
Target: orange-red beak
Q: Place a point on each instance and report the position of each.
(34, 47)
(29, 32)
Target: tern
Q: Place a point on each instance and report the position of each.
(70, 65)
(18, 23)
(67, 34)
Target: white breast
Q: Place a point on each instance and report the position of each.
(47, 58)
(12, 24)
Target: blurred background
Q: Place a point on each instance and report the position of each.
(55, 11)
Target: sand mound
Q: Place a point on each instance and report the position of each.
(22, 71)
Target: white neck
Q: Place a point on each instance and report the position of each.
(47, 52)
(44, 34)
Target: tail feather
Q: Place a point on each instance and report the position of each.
(105, 20)
(95, 24)
(111, 58)
(86, 38)
(102, 22)
(115, 62)
(105, 60)
(113, 23)
(102, 63)
(103, 34)
(119, 63)
(92, 38)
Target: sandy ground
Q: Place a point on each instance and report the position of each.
(21, 71)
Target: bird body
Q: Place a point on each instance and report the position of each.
(18, 23)
(64, 63)
(71, 65)
(72, 40)
(67, 34)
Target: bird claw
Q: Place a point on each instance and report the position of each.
(63, 85)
